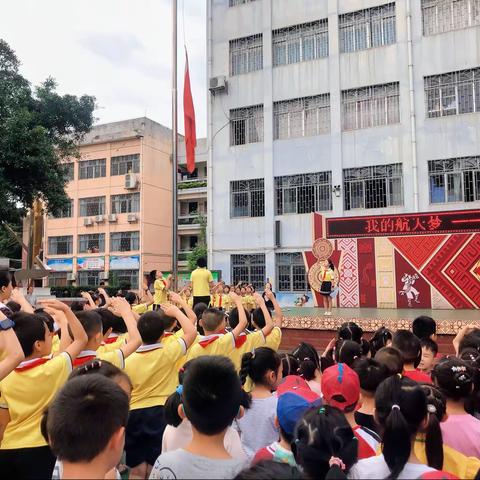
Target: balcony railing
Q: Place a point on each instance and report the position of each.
(189, 219)
(183, 255)
(192, 183)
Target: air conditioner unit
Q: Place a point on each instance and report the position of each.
(218, 84)
(103, 276)
(112, 218)
(278, 239)
(99, 218)
(132, 218)
(87, 222)
(131, 181)
(71, 277)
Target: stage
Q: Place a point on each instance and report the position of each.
(309, 324)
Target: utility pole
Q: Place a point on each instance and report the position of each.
(174, 149)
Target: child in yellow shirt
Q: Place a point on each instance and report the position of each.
(161, 287)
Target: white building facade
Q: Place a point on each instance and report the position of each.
(344, 107)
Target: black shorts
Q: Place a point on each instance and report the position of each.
(27, 463)
(143, 440)
(205, 300)
(326, 289)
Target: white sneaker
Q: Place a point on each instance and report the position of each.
(328, 314)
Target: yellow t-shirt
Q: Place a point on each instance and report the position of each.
(201, 278)
(115, 357)
(26, 394)
(152, 373)
(274, 338)
(55, 344)
(327, 275)
(253, 340)
(169, 337)
(160, 295)
(113, 345)
(216, 344)
(248, 302)
(140, 309)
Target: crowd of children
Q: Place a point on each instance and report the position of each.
(161, 386)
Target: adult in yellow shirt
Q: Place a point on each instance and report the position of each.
(201, 281)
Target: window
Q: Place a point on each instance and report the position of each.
(249, 269)
(88, 278)
(124, 241)
(69, 169)
(370, 106)
(247, 198)
(373, 27)
(300, 43)
(373, 187)
(65, 212)
(303, 117)
(246, 125)
(440, 16)
(125, 164)
(234, 3)
(126, 277)
(291, 273)
(91, 243)
(454, 180)
(126, 203)
(453, 93)
(91, 206)
(92, 169)
(57, 279)
(60, 245)
(246, 54)
(306, 193)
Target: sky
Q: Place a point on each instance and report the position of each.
(116, 50)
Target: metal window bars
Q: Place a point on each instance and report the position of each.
(125, 203)
(291, 273)
(124, 241)
(125, 164)
(92, 168)
(246, 125)
(91, 243)
(61, 245)
(246, 54)
(249, 269)
(247, 198)
(439, 16)
(91, 206)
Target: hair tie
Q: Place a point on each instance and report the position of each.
(179, 389)
(321, 410)
(431, 408)
(306, 359)
(336, 461)
(395, 407)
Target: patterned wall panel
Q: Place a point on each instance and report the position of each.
(367, 278)
(385, 270)
(349, 273)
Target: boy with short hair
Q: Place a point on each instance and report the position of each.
(424, 327)
(154, 379)
(429, 354)
(29, 389)
(341, 389)
(216, 341)
(86, 426)
(409, 346)
(211, 400)
(391, 358)
(274, 338)
(6, 289)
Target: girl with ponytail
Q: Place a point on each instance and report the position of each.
(461, 431)
(309, 366)
(401, 412)
(257, 427)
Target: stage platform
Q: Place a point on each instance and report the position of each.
(310, 325)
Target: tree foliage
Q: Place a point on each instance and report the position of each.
(201, 249)
(39, 129)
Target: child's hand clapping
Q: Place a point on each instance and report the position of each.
(170, 310)
(258, 299)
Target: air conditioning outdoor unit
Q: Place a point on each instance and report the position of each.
(131, 181)
(70, 277)
(112, 218)
(218, 84)
(132, 218)
(99, 218)
(103, 275)
(87, 222)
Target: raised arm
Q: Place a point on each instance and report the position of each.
(106, 296)
(459, 337)
(17, 296)
(122, 308)
(176, 298)
(189, 329)
(80, 338)
(242, 317)
(11, 348)
(168, 281)
(61, 319)
(277, 308)
(268, 318)
(88, 298)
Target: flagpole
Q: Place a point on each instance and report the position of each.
(174, 149)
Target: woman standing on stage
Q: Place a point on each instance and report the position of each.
(327, 276)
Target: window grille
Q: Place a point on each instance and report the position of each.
(373, 27)
(124, 241)
(57, 279)
(439, 16)
(454, 180)
(453, 93)
(291, 273)
(126, 203)
(300, 43)
(91, 243)
(249, 269)
(373, 187)
(234, 3)
(125, 164)
(69, 169)
(305, 193)
(126, 277)
(91, 206)
(60, 245)
(92, 169)
(247, 198)
(65, 212)
(302, 117)
(88, 278)
(370, 106)
(246, 54)
(246, 125)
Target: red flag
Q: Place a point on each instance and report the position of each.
(189, 114)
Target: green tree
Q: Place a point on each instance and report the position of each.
(9, 247)
(201, 248)
(39, 129)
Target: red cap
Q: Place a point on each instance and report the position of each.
(340, 380)
(297, 385)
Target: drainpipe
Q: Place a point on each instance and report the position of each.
(209, 139)
(413, 122)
